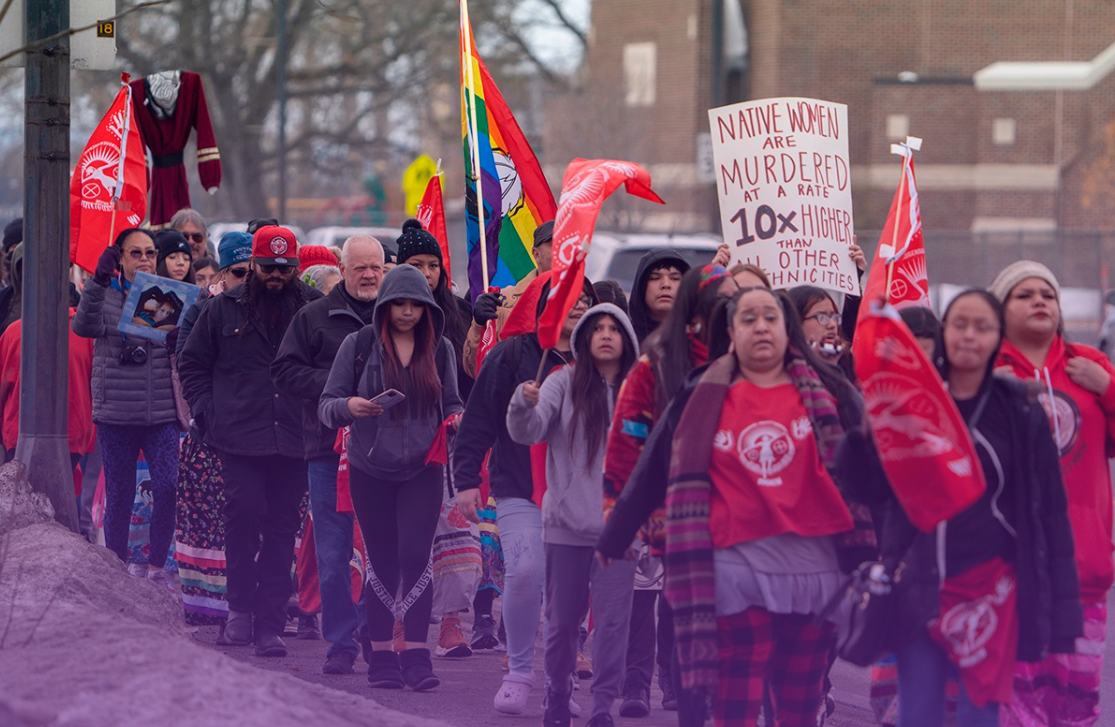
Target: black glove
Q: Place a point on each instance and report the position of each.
(485, 308)
(107, 266)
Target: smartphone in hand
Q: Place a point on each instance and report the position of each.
(389, 398)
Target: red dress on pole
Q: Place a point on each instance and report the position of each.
(167, 106)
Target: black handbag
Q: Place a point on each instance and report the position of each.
(881, 606)
(871, 598)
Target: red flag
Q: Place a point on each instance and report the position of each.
(488, 341)
(108, 190)
(922, 440)
(587, 183)
(431, 213)
(901, 245)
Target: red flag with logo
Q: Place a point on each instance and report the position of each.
(431, 213)
(901, 244)
(922, 440)
(587, 183)
(488, 340)
(108, 190)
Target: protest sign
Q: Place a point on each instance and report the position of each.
(782, 178)
(155, 306)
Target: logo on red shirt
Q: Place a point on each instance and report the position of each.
(766, 448)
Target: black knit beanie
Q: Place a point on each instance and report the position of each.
(416, 241)
(170, 241)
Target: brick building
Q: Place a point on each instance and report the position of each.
(1021, 152)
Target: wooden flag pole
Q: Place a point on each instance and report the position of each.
(470, 88)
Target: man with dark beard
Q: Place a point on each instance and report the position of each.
(225, 369)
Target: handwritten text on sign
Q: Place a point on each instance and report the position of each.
(782, 177)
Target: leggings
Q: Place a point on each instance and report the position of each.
(120, 446)
(398, 520)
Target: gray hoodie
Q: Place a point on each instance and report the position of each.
(573, 506)
(382, 446)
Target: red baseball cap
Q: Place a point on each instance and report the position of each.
(274, 245)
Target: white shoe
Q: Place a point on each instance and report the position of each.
(513, 694)
(139, 570)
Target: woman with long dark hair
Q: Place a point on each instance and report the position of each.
(396, 495)
(570, 411)
(417, 247)
(454, 586)
(995, 585)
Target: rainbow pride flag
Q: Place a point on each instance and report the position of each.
(516, 197)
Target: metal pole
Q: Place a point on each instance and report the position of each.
(282, 60)
(42, 444)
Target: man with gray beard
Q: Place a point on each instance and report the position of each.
(300, 370)
(225, 369)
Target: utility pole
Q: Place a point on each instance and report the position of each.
(281, 52)
(43, 393)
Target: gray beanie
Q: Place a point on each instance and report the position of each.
(1015, 273)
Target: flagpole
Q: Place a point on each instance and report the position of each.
(470, 87)
(897, 217)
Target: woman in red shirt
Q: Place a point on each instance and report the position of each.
(755, 520)
(1079, 399)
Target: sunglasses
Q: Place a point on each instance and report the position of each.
(284, 269)
(141, 254)
(198, 237)
(238, 272)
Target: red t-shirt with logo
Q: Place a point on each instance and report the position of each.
(767, 477)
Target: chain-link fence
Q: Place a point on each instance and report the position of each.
(1079, 258)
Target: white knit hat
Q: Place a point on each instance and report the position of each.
(1015, 273)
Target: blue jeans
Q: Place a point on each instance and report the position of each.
(923, 669)
(520, 535)
(333, 542)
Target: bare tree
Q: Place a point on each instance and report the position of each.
(360, 78)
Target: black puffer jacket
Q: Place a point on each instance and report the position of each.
(305, 356)
(1049, 610)
(123, 393)
(226, 377)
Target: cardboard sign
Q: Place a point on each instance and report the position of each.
(155, 306)
(783, 181)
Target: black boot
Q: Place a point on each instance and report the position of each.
(418, 672)
(383, 670)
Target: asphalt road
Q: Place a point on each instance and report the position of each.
(467, 686)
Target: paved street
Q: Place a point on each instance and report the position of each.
(467, 686)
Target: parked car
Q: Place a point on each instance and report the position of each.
(335, 236)
(615, 256)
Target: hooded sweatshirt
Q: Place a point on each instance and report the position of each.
(572, 508)
(641, 320)
(1083, 425)
(383, 446)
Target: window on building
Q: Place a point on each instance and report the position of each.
(640, 73)
(1003, 132)
(898, 127)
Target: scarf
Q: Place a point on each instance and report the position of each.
(690, 577)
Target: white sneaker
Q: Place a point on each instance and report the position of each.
(139, 570)
(513, 694)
